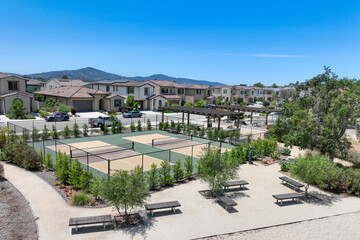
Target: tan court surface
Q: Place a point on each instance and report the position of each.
(186, 149)
(128, 163)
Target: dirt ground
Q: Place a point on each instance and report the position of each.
(16, 219)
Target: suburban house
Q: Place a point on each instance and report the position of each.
(195, 92)
(59, 82)
(225, 91)
(34, 85)
(166, 92)
(85, 99)
(13, 88)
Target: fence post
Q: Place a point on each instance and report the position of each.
(169, 156)
(192, 152)
(87, 160)
(108, 168)
(43, 151)
(156, 121)
(144, 123)
(55, 149)
(142, 163)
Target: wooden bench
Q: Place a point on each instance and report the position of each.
(90, 220)
(228, 202)
(240, 183)
(156, 206)
(291, 182)
(293, 196)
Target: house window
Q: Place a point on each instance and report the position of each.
(146, 91)
(14, 86)
(117, 88)
(107, 88)
(164, 90)
(160, 103)
(130, 90)
(242, 92)
(180, 91)
(117, 103)
(224, 91)
(198, 91)
(113, 88)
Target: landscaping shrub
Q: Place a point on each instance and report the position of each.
(17, 109)
(105, 130)
(286, 152)
(80, 199)
(209, 134)
(48, 163)
(85, 130)
(319, 170)
(75, 172)
(153, 177)
(195, 131)
(178, 127)
(172, 124)
(76, 132)
(85, 179)
(161, 125)
(63, 108)
(95, 187)
(113, 127)
(73, 111)
(26, 135)
(188, 129)
(45, 132)
(35, 134)
(1, 171)
(284, 167)
(22, 155)
(138, 126)
(9, 115)
(231, 136)
(62, 167)
(54, 133)
(166, 179)
(222, 135)
(66, 132)
(148, 123)
(132, 127)
(119, 127)
(202, 132)
(216, 134)
(189, 167)
(178, 171)
(166, 126)
(29, 116)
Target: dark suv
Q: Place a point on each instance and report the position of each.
(57, 117)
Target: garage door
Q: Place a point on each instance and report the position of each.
(83, 105)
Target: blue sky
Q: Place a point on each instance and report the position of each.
(227, 41)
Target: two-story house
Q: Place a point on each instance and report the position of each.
(59, 82)
(166, 92)
(13, 88)
(196, 92)
(225, 91)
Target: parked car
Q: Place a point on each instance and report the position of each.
(100, 121)
(210, 106)
(132, 114)
(57, 117)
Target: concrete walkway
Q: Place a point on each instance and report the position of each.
(197, 217)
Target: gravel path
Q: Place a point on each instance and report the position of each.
(344, 226)
(16, 219)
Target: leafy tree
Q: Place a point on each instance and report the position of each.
(231, 135)
(266, 103)
(189, 167)
(148, 124)
(178, 171)
(201, 103)
(85, 179)
(64, 77)
(316, 115)
(216, 134)
(210, 134)
(75, 172)
(138, 126)
(17, 109)
(95, 187)
(259, 84)
(153, 179)
(161, 125)
(131, 103)
(222, 135)
(35, 134)
(50, 102)
(105, 129)
(274, 85)
(235, 100)
(39, 98)
(125, 190)
(237, 134)
(178, 127)
(26, 134)
(172, 124)
(195, 131)
(166, 103)
(216, 169)
(220, 100)
(62, 167)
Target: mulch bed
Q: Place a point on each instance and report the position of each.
(128, 221)
(16, 218)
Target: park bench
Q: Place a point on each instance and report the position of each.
(156, 206)
(90, 220)
(172, 130)
(293, 196)
(240, 183)
(291, 182)
(228, 202)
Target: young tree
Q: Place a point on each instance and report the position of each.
(76, 131)
(201, 103)
(125, 190)
(222, 135)
(113, 127)
(178, 171)
(54, 132)
(202, 132)
(132, 127)
(148, 124)
(166, 179)
(85, 130)
(220, 100)
(66, 133)
(189, 167)
(187, 104)
(45, 132)
(216, 169)
(131, 103)
(119, 127)
(48, 163)
(259, 84)
(17, 109)
(316, 115)
(210, 134)
(195, 131)
(75, 172)
(138, 126)
(153, 179)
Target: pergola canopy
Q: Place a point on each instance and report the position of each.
(246, 109)
(201, 111)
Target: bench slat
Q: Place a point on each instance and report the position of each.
(287, 196)
(235, 183)
(90, 220)
(154, 206)
(292, 182)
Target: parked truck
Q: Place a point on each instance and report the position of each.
(101, 121)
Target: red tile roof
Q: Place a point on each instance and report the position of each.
(72, 92)
(166, 83)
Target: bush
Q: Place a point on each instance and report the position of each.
(45, 132)
(76, 131)
(195, 131)
(54, 133)
(132, 127)
(286, 152)
(119, 127)
(138, 126)
(85, 179)
(95, 187)
(48, 163)
(216, 134)
(172, 124)
(80, 199)
(73, 111)
(166, 126)
(222, 135)
(1, 171)
(63, 108)
(166, 178)
(9, 115)
(178, 171)
(75, 172)
(202, 132)
(189, 167)
(85, 130)
(105, 130)
(210, 134)
(35, 134)
(62, 167)
(161, 125)
(153, 177)
(26, 134)
(66, 133)
(29, 116)
(148, 123)
(284, 167)
(178, 127)
(22, 155)
(113, 127)
(17, 109)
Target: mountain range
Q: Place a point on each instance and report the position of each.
(90, 74)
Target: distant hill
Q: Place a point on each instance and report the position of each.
(90, 74)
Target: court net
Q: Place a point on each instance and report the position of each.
(77, 152)
(169, 140)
